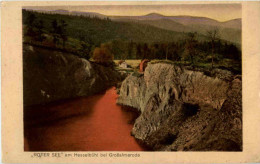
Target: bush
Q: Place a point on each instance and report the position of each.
(103, 55)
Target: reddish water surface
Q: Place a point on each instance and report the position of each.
(92, 123)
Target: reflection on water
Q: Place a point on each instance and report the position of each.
(93, 123)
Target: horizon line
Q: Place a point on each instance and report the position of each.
(132, 15)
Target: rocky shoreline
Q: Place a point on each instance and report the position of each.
(185, 110)
(73, 76)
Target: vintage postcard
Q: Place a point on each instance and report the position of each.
(130, 82)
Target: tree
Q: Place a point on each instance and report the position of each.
(153, 50)
(85, 50)
(139, 50)
(55, 31)
(213, 36)
(145, 51)
(119, 49)
(130, 47)
(30, 22)
(166, 49)
(190, 46)
(173, 51)
(59, 32)
(103, 54)
(39, 31)
(62, 32)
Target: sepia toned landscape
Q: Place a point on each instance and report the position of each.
(132, 78)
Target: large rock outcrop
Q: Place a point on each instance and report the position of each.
(50, 75)
(184, 110)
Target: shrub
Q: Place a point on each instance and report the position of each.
(103, 55)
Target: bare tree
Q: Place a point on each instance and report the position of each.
(213, 35)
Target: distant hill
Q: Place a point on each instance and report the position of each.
(149, 28)
(184, 20)
(229, 30)
(97, 30)
(160, 23)
(235, 23)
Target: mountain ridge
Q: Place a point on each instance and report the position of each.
(114, 16)
(229, 30)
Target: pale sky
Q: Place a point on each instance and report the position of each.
(220, 12)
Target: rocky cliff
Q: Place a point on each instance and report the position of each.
(184, 110)
(50, 75)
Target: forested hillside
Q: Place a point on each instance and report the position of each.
(86, 36)
(96, 30)
(229, 30)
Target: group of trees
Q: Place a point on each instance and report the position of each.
(59, 32)
(189, 49)
(36, 30)
(138, 50)
(192, 45)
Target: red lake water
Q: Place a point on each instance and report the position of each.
(94, 123)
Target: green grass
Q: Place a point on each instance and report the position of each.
(133, 63)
